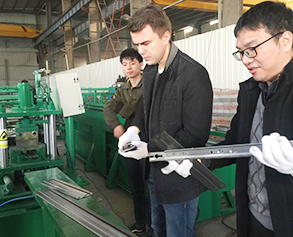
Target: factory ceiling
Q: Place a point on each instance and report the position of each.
(186, 13)
(38, 6)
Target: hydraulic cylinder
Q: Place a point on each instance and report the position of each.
(25, 96)
(52, 131)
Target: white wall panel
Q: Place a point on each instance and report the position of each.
(100, 74)
(212, 49)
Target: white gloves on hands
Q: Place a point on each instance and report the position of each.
(131, 134)
(140, 152)
(183, 169)
(170, 167)
(276, 153)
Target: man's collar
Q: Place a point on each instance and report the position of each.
(128, 84)
(172, 54)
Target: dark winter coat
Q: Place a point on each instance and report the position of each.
(179, 102)
(278, 117)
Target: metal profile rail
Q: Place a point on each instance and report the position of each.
(67, 188)
(84, 216)
(72, 186)
(216, 152)
(201, 173)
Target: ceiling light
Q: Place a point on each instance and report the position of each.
(213, 22)
(188, 29)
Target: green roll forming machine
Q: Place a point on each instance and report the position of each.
(21, 124)
(28, 155)
(27, 143)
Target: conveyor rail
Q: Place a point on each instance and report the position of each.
(84, 216)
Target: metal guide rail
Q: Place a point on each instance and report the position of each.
(216, 152)
(201, 173)
(84, 216)
(67, 188)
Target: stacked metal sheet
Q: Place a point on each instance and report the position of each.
(67, 188)
(84, 216)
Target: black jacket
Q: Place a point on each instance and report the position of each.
(278, 117)
(179, 102)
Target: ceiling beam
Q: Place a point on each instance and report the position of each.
(62, 19)
(39, 8)
(14, 4)
(2, 4)
(212, 5)
(18, 31)
(196, 5)
(25, 5)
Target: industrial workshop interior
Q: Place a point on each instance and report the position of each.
(60, 170)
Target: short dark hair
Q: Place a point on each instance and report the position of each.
(153, 15)
(130, 53)
(275, 17)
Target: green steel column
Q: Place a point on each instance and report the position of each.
(69, 133)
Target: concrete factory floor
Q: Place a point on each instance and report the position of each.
(119, 202)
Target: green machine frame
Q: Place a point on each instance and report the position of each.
(94, 141)
(28, 155)
(27, 143)
(97, 147)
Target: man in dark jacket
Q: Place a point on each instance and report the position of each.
(177, 98)
(264, 187)
(125, 101)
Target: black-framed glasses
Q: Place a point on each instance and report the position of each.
(251, 51)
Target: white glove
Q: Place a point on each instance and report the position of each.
(170, 167)
(131, 134)
(276, 153)
(183, 169)
(140, 152)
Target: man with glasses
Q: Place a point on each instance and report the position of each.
(264, 185)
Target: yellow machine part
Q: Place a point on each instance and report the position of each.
(18, 31)
(212, 5)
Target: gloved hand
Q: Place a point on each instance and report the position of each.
(140, 152)
(276, 153)
(170, 167)
(131, 134)
(183, 169)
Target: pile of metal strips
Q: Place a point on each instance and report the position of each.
(67, 188)
(84, 216)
